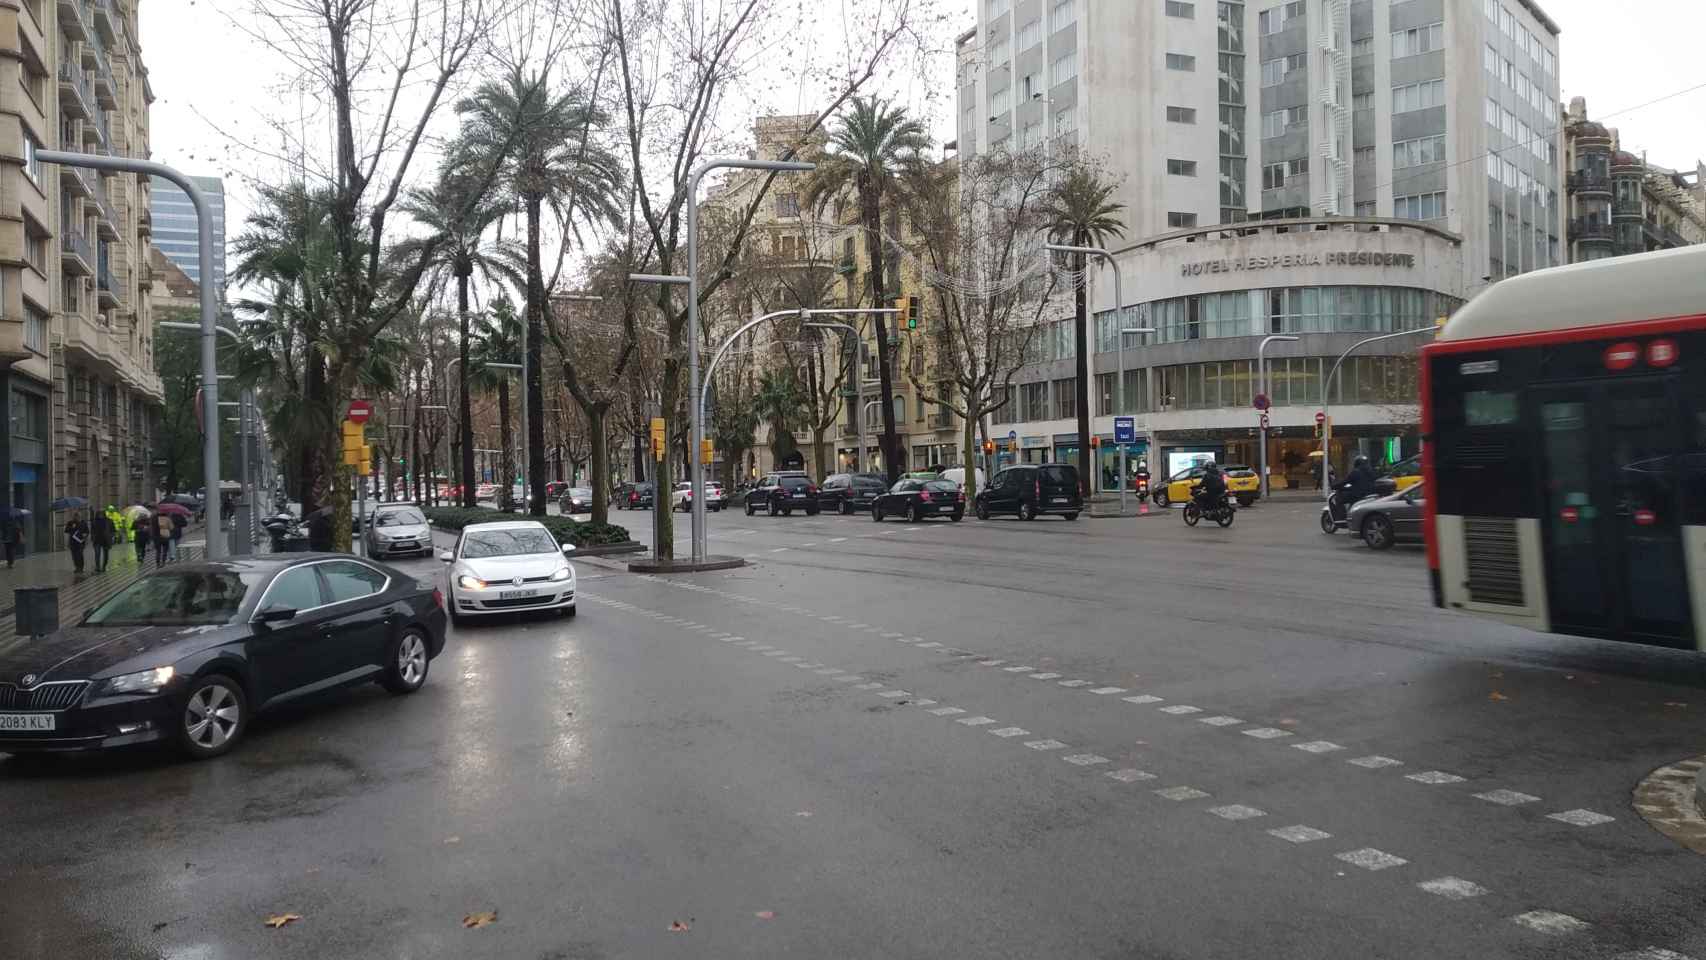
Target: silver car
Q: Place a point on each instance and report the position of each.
(511, 566)
(1384, 521)
(396, 528)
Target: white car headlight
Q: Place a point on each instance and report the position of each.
(467, 582)
(562, 573)
(145, 681)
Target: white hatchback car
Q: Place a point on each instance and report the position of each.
(509, 566)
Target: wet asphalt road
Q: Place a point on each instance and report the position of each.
(834, 753)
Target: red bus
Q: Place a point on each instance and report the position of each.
(1564, 454)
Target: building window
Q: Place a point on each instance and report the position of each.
(1273, 124)
(1000, 101)
(999, 7)
(1296, 117)
(999, 53)
(35, 329)
(1181, 168)
(1363, 47)
(1418, 96)
(1064, 68)
(1184, 11)
(1418, 40)
(787, 204)
(1549, 64)
(1065, 120)
(1362, 156)
(1030, 34)
(1030, 85)
(1297, 167)
(1273, 176)
(1415, 153)
(1273, 21)
(1181, 61)
(1490, 113)
(1063, 14)
(1507, 123)
(1031, 135)
(1066, 398)
(1367, 208)
(1181, 221)
(32, 164)
(1033, 401)
(1181, 115)
(1426, 206)
(1490, 59)
(1362, 101)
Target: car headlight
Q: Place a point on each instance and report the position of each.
(470, 583)
(562, 574)
(145, 681)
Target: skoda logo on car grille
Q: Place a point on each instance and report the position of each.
(518, 581)
(29, 680)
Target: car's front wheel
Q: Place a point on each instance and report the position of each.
(1377, 532)
(1027, 511)
(406, 663)
(214, 717)
(1161, 498)
(877, 513)
(982, 510)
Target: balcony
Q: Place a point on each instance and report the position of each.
(105, 289)
(107, 222)
(1586, 181)
(1590, 229)
(943, 421)
(95, 139)
(75, 254)
(1626, 209)
(144, 223)
(105, 19)
(1660, 237)
(77, 181)
(73, 19)
(76, 100)
(106, 91)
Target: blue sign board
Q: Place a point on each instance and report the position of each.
(1012, 435)
(1125, 430)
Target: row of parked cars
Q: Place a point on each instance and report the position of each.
(1026, 491)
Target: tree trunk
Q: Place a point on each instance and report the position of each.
(818, 458)
(871, 212)
(1082, 361)
(534, 489)
(507, 462)
(600, 470)
(467, 498)
(971, 453)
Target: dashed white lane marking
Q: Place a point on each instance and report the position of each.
(1128, 775)
(760, 647)
(1650, 953)
(833, 619)
(1506, 798)
(923, 703)
(1011, 732)
(1106, 691)
(893, 694)
(869, 686)
(838, 540)
(929, 646)
(1085, 759)
(1550, 921)
(1369, 858)
(990, 663)
(779, 550)
(809, 543)
(1266, 733)
(1220, 721)
(1434, 776)
(1045, 744)
(1075, 683)
(1453, 888)
(789, 659)
(1298, 833)
(1580, 818)
(1045, 676)
(976, 721)
(1181, 793)
(897, 638)
(857, 626)
(1317, 746)
(829, 671)
(1016, 669)
(910, 529)
(1375, 762)
(891, 635)
(1237, 811)
(1180, 709)
(945, 711)
(1142, 698)
(849, 678)
(775, 653)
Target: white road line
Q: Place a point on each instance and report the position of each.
(1434, 776)
(1317, 746)
(891, 635)
(976, 721)
(1550, 921)
(1045, 745)
(923, 703)
(790, 659)
(1142, 698)
(1075, 683)
(1011, 732)
(829, 671)
(779, 550)
(775, 653)
(1181, 793)
(1369, 858)
(1220, 721)
(1181, 709)
(928, 646)
(1266, 733)
(1580, 818)
(1128, 775)
(1085, 759)
(900, 639)
(910, 529)
(1017, 669)
(1650, 953)
(857, 626)
(1298, 833)
(837, 539)
(1106, 691)
(990, 663)
(944, 711)
(893, 694)
(1237, 811)
(1375, 762)
(870, 686)
(809, 543)
(1453, 888)
(1044, 676)
(849, 678)
(1506, 798)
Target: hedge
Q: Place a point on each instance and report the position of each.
(563, 528)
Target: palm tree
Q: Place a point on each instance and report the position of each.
(777, 402)
(869, 147)
(543, 150)
(498, 339)
(1080, 212)
(457, 218)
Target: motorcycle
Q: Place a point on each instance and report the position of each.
(1335, 516)
(1221, 514)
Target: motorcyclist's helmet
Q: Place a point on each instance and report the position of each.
(1360, 462)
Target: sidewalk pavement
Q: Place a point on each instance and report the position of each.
(80, 593)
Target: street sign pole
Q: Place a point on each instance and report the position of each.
(1262, 395)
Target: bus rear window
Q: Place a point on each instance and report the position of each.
(1489, 408)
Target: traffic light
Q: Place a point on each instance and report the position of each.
(989, 448)
(912, 313)
(1095, 443)
(903, 316)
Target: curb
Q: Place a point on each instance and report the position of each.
(1672, 799)
(685, 566)
(609, 549)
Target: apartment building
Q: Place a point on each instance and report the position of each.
(76, 324)
(1618, 202)
(1324, 169)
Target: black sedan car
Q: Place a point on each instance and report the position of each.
(783, 492)
(576, 500)
(189, 654)
(846, 493)
(633, 496)
(917, 499)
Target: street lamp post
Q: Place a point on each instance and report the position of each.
(209, 308)
(1119, 397)
(1262, 388)
(1326, 421)
(858, 376)
(692, 283)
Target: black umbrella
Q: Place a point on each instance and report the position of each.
(70, 503)
(322, 512)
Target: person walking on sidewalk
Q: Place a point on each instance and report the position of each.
(140, 538)
(76, 535)
(178, 525)
(104, 533)
(12, 535)
(162, 539)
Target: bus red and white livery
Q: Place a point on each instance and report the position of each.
(1564, 423)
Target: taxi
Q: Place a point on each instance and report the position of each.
(1400, 476)
(1242, 484)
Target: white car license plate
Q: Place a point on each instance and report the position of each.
(31, 722)
(797, 496)
(1059, 500)
(515, 594)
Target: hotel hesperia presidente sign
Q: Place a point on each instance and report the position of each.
(1340, 258)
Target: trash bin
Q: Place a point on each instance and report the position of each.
(36, 611)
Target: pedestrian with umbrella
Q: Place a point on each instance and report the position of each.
(139, 538)
(104, 531)
(76, 535)
(162, 537)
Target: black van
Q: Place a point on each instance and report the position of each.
(1028, 489)
(846, 493)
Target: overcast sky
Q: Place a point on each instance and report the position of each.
(213, 85)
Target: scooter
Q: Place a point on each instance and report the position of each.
(1335, 516)
(1221, 514)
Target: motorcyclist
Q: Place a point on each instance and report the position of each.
(1211, 493)
(1359, 483)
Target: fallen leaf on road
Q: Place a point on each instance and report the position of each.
(677, 926)
(1288, 722)
(1496, 695)
(765, 914)
(282, 919)
(475, 921)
